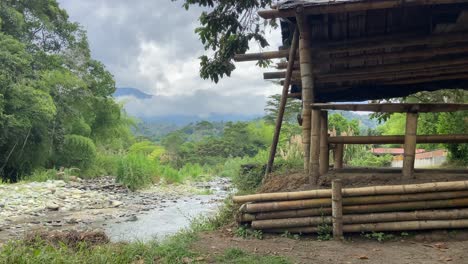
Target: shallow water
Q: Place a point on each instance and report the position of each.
(162, 222)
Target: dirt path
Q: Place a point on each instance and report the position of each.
(309, 250)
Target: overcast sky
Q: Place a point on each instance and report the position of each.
(151, 45)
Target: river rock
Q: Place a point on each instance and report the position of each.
(115, 203)
(52, 206)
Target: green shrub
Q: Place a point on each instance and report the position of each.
(77, 151)
(170, 174)
(249, 177)
(106, 165)
(42, 175)
(367, 159)
(192, 171)
(231, 167)
(136, 171)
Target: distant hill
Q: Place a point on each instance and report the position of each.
(182, 120)
(127, 91)
(365, 120)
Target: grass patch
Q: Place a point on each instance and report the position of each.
(238, 256)
(38, 250)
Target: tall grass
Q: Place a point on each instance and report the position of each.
(136, 171)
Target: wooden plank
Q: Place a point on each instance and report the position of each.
(393, 108)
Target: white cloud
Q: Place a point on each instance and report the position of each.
(151, 46)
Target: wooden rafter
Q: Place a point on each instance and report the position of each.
(394, 108)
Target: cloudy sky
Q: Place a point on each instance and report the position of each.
(151, 45)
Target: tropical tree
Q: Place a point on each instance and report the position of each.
(226, 28)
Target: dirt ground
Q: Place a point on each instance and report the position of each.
(422, 250)
(356, 177)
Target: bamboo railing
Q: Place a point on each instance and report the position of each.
(441, 205)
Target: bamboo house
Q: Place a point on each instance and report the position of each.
(340, 53)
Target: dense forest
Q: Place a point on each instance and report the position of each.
(56, 104)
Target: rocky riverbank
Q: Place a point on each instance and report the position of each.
(91, 204)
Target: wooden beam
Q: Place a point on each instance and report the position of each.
(394, 108)
(338, 156)
(383, 56)
(284, 98)
(315, 148)
(410, 145)
(388, 69)
(337, 210)
(454, 76)
(324, 151)
(420, 139)
(294, 95)
(416, 75)
(280, 75)
(348, 6)
(268, 55)
(416, 72)
(372, 43)
(307, 80)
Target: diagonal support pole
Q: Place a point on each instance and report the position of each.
(284, 98)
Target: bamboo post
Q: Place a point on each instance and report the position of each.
(410, 145)
(337, 210)
(324, 152)
(284, 98)
(338, 156)
(314, 170)
(307, 82)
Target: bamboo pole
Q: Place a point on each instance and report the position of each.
(338, 156)
(363, 209)
(268, 55)
(324, 152)
(307, 82)
(410, 145)
(284, 99)
(386, 226)
(351, 201)
(459, 138)
(326, 211)
(337, 210)
(451, 214)
(406, 206)
(361, 191)
(315, 143)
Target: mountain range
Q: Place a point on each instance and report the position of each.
(182, 120)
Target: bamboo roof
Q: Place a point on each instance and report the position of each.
(376, 49)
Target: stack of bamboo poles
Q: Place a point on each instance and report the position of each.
(441, 205)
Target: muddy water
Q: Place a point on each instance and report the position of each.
(161, 222)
